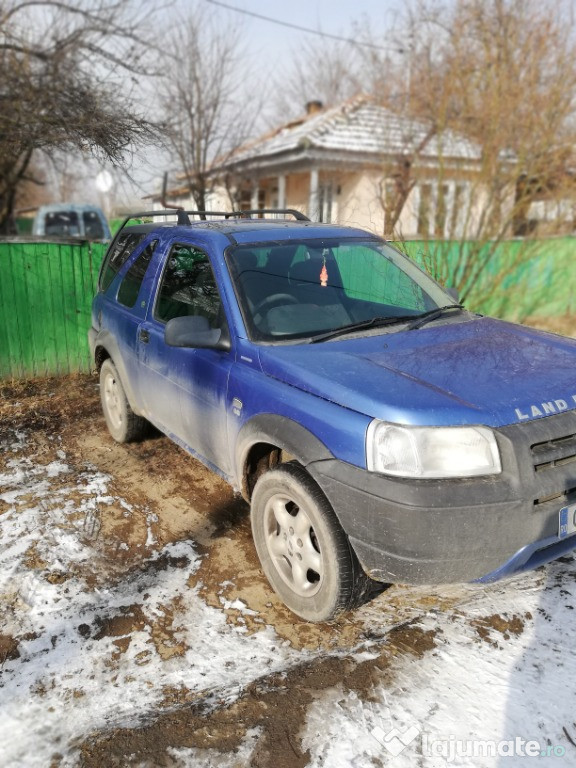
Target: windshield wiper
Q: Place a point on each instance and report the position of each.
(374, 322)
(433, 314)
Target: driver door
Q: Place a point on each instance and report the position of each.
(185, 389)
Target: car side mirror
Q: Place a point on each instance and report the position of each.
(195, 332)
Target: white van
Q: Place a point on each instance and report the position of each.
(69, 220)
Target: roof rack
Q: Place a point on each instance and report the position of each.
(184, 216)
(297, 214)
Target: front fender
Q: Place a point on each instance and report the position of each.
(282, 432)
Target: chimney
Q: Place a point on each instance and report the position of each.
(313, 107)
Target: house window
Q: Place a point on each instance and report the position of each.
(245, 199)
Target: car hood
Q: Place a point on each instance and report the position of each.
(476, 371)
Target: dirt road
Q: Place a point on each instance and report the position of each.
(140, 631)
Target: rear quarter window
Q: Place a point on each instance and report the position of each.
(132, 281)
(118, 253)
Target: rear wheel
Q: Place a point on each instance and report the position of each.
(303, 550)
(123, 424)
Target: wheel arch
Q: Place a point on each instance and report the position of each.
(101, 353)
(268, 440)
(106, 348)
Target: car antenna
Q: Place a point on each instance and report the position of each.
(183, 218)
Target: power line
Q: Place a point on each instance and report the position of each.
(309, 31)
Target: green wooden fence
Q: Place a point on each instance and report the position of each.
(46, 290)
(517, 279)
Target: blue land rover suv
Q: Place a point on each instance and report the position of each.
(379, 430)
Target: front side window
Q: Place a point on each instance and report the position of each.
(302, 288)
(188, 287)
(118, 253)
(130, 285)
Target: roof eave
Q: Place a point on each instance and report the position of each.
(304, 157)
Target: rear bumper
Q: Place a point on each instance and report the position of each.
(448, 531)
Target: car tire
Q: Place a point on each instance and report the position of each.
(303, 550)
(123, 424)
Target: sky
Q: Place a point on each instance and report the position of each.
(277, 43)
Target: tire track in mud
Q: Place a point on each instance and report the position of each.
(276, 706)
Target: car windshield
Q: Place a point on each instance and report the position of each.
(304, 288)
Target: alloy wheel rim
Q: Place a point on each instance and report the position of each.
(293, 546)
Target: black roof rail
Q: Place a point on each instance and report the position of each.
(184, 220)
(297, 214)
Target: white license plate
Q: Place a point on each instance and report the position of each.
(567, 521)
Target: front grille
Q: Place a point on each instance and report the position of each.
(554, 462)
(561, 496)
(554, 453)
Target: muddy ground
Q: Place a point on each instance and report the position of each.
(181, 501)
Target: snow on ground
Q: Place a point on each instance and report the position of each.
(69, 678)
(98, 651)
(497, 690)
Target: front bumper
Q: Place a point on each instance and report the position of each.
(447, 531)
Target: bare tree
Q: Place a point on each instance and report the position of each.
(398, 180)
(321, 70)
(63, 85)
(503, 74)
(208, 105)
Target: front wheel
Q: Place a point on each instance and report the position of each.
(303, 550)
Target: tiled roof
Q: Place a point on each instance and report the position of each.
(358, 127)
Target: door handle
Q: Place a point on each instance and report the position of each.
(144, 336)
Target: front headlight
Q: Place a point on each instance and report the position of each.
(429, 452)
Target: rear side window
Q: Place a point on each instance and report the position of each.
(130, 285)
(117, 255)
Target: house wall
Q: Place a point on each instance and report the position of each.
(449, 208)
(358, 203)
(297, 191)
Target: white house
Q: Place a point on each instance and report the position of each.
(351, 164)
